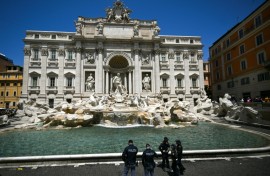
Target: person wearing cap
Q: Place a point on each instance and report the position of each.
(164, 148)
(148, 161)
(179, 150)
(129, 157)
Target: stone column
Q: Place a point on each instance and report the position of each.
(171, 66)
(43, 79)
(125, 80)
(136, 81)
(187, 78)
(201, 77)
(99, 74)
(78, 83)
(25, 86)
(157, 71)
(129, 82)
(107, 82)
(61, 78)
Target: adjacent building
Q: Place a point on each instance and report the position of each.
(4, 62)
(10, 86)
(66, 66)
(240, 59)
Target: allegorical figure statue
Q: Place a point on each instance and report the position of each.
(146, 82)
(90, 83)
(117, 84)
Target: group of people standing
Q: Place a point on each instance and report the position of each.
(174, 150)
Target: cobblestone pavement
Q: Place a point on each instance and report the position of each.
(242, 166)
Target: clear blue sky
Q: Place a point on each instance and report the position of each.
(209, 19)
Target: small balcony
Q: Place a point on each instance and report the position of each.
(52, 63)
(70, 63)
(164, 64)
(69, 90)
(35, 62)
(165, 90)
(195, 90)
(52, 90)
(193, 67)
(180, 90)
(34, 89)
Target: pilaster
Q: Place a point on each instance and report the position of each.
(157, 71)
(43, 79)
(137, 69)
(27, 55)
(78, 69)
(99, 76)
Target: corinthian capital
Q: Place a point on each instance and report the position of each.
(61, 52)
(27, 51)
(44, 52)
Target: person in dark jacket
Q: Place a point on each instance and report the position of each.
(174, 160)
(179, 150)
(148, 161)
(129, 157)
(164, 149)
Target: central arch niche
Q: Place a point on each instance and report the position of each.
(118, 62)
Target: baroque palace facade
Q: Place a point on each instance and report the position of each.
(66, 66)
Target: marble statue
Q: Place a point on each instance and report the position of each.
(100, 28)
(118, 87)
(90, 83)
(156, 31)
(146, 82)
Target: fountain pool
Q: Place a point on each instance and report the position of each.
(90, 140)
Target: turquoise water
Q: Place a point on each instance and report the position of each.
(89, 140)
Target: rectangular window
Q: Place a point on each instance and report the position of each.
(2, 93)
(34, 81)
(241, 33)
(14, 93)
(242, 49)
(69, 82)
(193, 59)
(53, 53)
(164, 82)
(227, 42)
(245, 81)
(259, 39)
(261, 58)
(163, 57)
(36, 36)
(70, 55)
(229, 70)
(178, 57)
(179, 82)
(217, 75)
(53, 36)
(216, 62)
(264, 76)
(194, 82)
(228, 56)
(14, 103)
(52, 82)
(35, 53)
(3, 84)
(7, 93)
(258, 21)
(243, 65)
(177, 40)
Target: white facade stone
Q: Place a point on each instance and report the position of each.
(104, 47)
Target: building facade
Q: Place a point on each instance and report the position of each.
(10, 86)
(65, 66)
(4, 62)
(239, 60)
